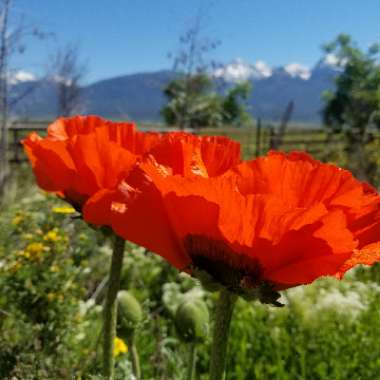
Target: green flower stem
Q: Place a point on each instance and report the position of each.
(191, 361)
(222, 319)
(110, 308)
(134, 356)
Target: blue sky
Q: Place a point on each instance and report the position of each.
(117, 37)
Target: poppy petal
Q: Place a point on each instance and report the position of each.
(141, 217)
(367, 255)
(51, 162)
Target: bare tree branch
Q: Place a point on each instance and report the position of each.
(16, 99)
(12, 36)
(3, 87)
(68, 73)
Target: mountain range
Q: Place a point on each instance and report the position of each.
(140, 97)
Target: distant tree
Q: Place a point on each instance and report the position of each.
(354, 105)
(196, 104)
(68, 73)
(190, 95)
(235, 105)
(193, 99)
(192, 103)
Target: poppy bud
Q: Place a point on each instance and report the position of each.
(191, 320)
(129, 312)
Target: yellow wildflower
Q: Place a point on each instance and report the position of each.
(64, 210)
(15, 267)
(51, 296)
(83, 237)
(17, 220)
(34, 250)
(55, 269)
(25, 254)
(119, 347)
(52, 236)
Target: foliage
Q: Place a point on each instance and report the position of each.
(194, 103)
(234, 105)
(355, 103)
(42, 255)
(313, 337)
(191, 103)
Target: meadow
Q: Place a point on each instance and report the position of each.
(53, 270)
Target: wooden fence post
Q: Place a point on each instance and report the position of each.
(16, 147)
(4, 159)
(272, 138)
(258, 137)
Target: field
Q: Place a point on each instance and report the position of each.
(53, 269)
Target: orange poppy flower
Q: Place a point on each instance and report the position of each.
(271, 223)
(177, 153)
(83, 154)
(189, 155)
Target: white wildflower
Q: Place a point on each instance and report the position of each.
(347, 304)
(85, 306)
(80, 336)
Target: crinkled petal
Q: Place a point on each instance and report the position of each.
(51, 162)
(368, 255)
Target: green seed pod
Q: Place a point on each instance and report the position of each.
(192, 320)
(127, 275)
(129, 311)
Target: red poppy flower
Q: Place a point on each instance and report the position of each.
(177, 153)
(189, 155)
(271, 223)
(83, 154)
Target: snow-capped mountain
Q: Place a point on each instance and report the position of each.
(20, 76)
(238, 71)
(330, 60)
(296, 70)
(140, 96)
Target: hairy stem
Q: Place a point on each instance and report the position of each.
(222, 319)
(110, 308)
(134, 356)
(191, 361)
